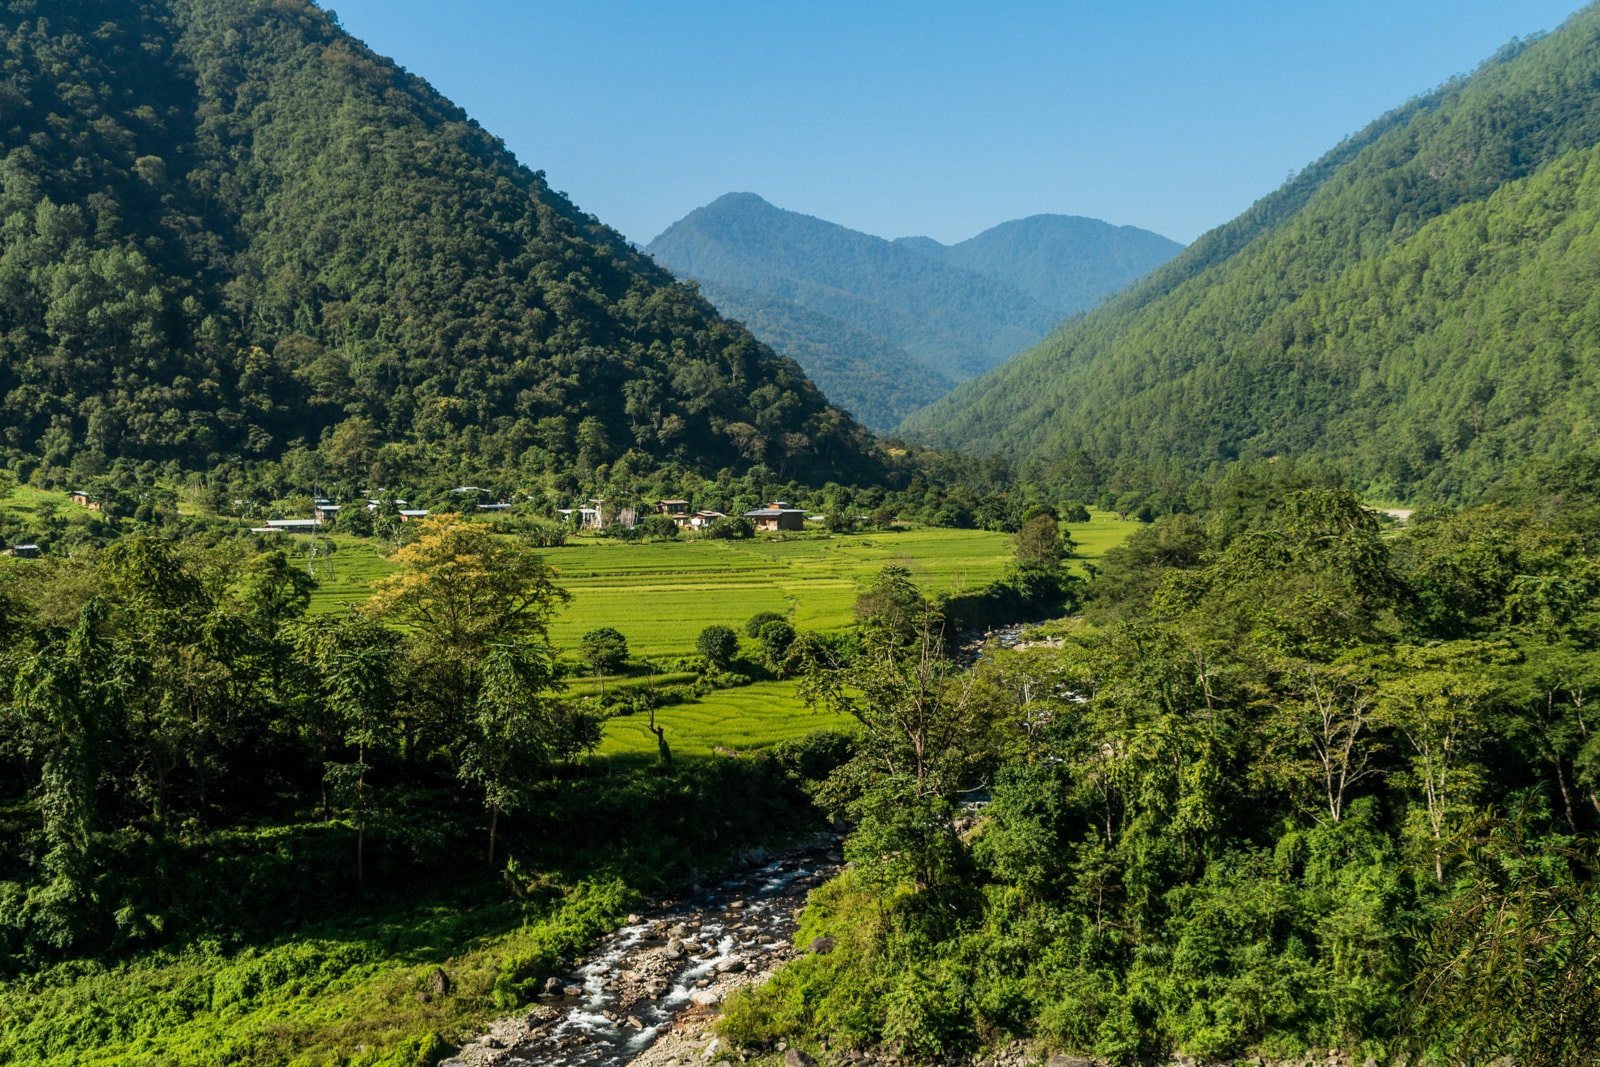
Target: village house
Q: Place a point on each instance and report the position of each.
(676, 510)
(83, 499)
(592, 517)
(23, 551)
(777, 516)
(701, 519)
(288, 526)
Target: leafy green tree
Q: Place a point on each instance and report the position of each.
(356, 662)
(1039, 545)
(1508, 968)
(460, 589)
(752, 627)
(604, 649)
(64, 715)
(718, 644)
(776, 637)
(1441, 704)
(922, 733)
(519, 727)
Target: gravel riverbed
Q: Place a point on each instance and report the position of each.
(648, 992)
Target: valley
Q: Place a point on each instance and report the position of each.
(439, 629)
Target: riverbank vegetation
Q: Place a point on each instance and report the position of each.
(235, 830)
(1295, 782)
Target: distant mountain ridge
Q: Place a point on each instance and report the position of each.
(1066, 262)
(947, 309)
(1419, 304)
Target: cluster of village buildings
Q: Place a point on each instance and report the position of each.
(776, 516)
(772, 518)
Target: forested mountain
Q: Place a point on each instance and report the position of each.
(953, 320)
(1066, 262)
(233, 233)
(877, 382)
(1419, 303)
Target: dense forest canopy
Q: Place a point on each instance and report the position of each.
(875, 380)
(231, 231)
(1419, 303)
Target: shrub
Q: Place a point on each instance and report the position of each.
(760, 619)
(776, 637)
(658, 526)
(718, 644)
(732, 528)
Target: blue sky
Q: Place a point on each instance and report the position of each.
(929, 117)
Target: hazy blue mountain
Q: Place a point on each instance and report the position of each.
(852, 308)
(954, 320)
(1066, 262)
(875, 381)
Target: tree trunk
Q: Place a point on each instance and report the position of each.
(494, 826)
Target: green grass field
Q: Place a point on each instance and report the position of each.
(662, 594)
(356, 563)
(750, 717)
(819, 579)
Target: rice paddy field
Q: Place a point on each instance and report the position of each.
(736, 720)
(662, 594)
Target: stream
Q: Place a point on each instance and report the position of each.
(675, 960)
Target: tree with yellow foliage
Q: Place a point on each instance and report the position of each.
(476, 610)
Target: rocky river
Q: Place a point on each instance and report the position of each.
(647, 992)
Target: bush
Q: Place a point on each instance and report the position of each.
(776, 637)
(658, 526)
(718, 644)
(732, 528)
(760, 619)
(841, 522)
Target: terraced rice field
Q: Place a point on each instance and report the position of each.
(661, 595)
(751, 717)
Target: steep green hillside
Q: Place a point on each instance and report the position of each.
(1419, 303)
(231, 230)
(1066, 262)
(953, 320)
(875, 381)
